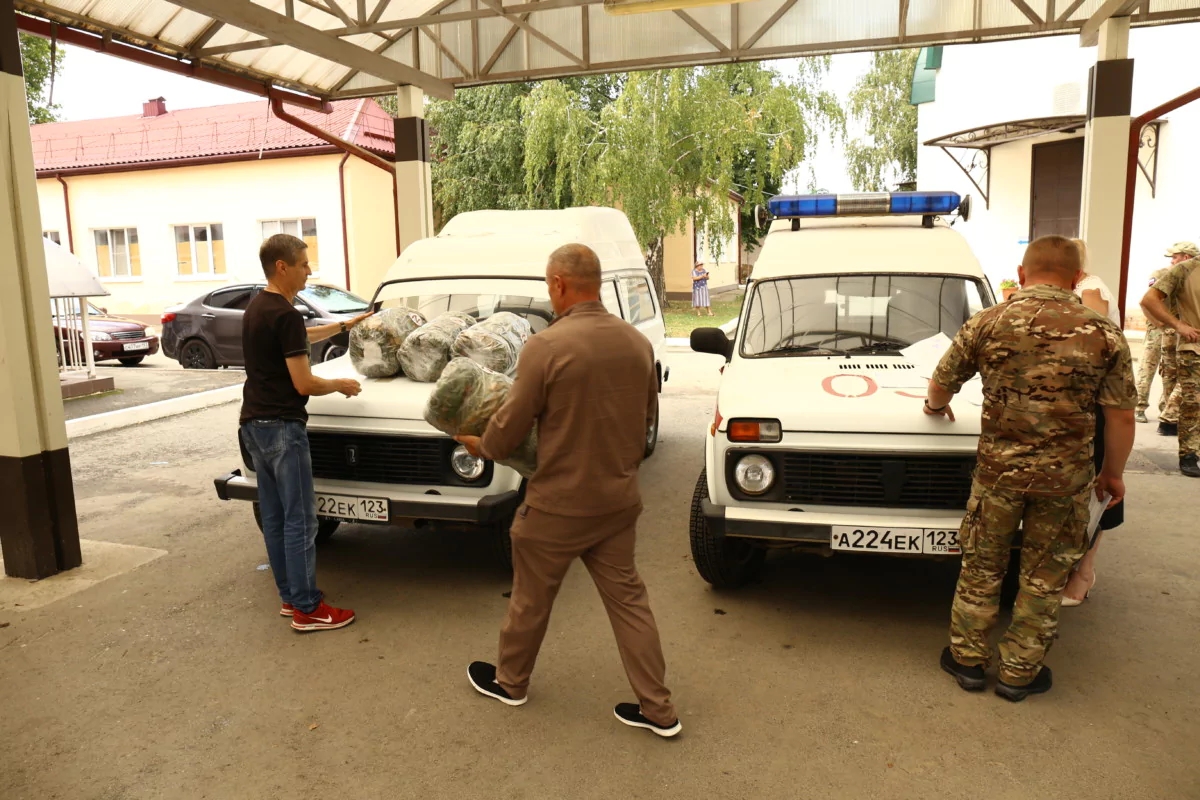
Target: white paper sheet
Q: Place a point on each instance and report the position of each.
(1096, 506)
(928, 352)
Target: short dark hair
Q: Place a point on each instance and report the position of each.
(280, 247)
(577, 264)
(1053, 254)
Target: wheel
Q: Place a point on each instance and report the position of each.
(195, 354)
(724, 562)
(325, 527)
(132, 362)
(652, 435)
(332, 352)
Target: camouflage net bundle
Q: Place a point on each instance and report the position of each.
(466, 398)
(375, 342)
(496, 342)
(426, 351)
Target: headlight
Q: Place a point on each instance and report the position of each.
(465, 465)
(100, 336)
(754, 474)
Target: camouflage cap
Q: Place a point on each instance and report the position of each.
(1184, 248)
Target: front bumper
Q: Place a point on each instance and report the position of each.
(108, 350)
(402, 506)
(791, 526)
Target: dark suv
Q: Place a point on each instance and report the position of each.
(207, 332)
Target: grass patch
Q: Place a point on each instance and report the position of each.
(681, 318)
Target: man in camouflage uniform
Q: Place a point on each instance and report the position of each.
(1168, 419)
(1178, 292)
(1046, 362)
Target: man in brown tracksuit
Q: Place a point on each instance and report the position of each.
(589, 383)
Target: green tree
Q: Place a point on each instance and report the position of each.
(672, 145)
(888, 154)
(36, 62)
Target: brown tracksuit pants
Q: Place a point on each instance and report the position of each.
(544, 545)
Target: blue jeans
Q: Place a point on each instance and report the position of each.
(279, 451)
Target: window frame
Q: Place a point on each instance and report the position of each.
(113, 277)
(316, 269)
(624, 293)
(53, 235)
(200, 277)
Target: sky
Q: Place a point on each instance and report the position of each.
(93, 85)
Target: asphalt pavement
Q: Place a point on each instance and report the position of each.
(179, 679)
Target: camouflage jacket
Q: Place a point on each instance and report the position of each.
(1046, 361)
(1181, 285)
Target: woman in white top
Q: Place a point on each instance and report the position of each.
(1096, 296)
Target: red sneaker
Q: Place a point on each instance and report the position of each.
(323, 618)
(286, 610)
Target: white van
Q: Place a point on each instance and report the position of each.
(375, 459)
(818, 440)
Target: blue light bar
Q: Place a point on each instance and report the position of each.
(858, 205)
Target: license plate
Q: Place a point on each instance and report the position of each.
(927, 541)
(137, 346)
(367, 509)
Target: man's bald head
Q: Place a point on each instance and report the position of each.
(1053, 259)
(578, 266)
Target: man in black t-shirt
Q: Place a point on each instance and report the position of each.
(279, 382)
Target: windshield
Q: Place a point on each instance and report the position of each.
(838, 314)
(333, 299)
(479, 297)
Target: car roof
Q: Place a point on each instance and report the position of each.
(886, 244)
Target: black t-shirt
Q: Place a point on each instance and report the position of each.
(272, 332)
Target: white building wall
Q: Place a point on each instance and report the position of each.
(1003, 81)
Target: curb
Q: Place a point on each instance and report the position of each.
(124, 417)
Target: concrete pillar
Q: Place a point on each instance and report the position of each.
(414, 190)
(1110, 93)
(39, 533)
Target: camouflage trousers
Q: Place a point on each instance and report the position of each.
(1169, 369)
(1055, 538)
(1148, 367)
(1188, 388)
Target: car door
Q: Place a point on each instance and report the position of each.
(641, 308)
(221, 322)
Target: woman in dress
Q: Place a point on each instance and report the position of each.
(700, 300)
(1096, 296)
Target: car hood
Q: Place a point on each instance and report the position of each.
(381, 398)
(114, 324)
(868, 394)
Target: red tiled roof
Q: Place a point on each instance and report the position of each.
(199, 132)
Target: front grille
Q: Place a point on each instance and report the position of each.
(380, 459)
(884, 481)
(128, 335)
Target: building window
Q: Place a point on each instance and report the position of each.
(117, 253)
(52, 236)
(304, 228)
(200, 250)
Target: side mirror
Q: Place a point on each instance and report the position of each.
(305, 311)
(104, 311)
(712, 340)
(964, 208)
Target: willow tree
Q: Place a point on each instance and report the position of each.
(887, 156)
(673, 144)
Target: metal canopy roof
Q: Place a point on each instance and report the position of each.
(357, 48)
(1002, 132)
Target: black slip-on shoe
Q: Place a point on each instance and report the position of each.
(1190, 465)
(972, 679)
(483, 677)
(1039, 685)
(631, 714)
(1168, 428)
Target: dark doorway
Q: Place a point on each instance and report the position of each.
(1057, 188)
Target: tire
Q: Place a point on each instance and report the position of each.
(332, 352)
(325, 527)
(652, 435)
(725, 563)
(195, 354)
(131, 362)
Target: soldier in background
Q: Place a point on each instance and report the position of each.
(1046, 362)
(1168, 418)
(1178, 293)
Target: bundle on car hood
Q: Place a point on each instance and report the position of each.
(496, 342)
(466, 398)
(426, 351)
(375, 342)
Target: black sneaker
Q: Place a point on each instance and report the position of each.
(483, 677)
(1190, 465)
(1039, 685)
(1168, 428)
(972, 679)
(631, 714)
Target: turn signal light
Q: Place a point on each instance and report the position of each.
(716, 423)
(168, 316)
(755, 430)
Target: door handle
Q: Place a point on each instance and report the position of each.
(208, 316)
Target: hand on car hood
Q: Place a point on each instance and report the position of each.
(381, 398)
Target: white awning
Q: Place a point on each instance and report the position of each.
(69, 277)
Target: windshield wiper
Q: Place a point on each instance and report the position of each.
(878, 347)
(807, 348)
